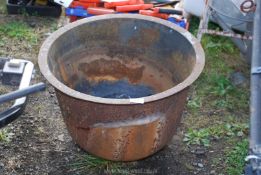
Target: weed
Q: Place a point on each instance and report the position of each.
(38, 108)
(2, 42)
(235, 159)
(89, 163)
(18, 30)
(216, 161)
(3, 90)
(203, 136)
(197, 137)
(227, 95)
(232, 129)
(193, 27)
(4, 136)
(221, 85)
(221, 103)
(54, 27)
(214, 46)
(194, 103)
(215, 90)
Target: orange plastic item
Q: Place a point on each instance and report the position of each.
(156, 9)
(83, 4)
(114, 4)
(129, 8)
(100, 11)
(132, 2)
(90, 1)
(122, 3)
(155, 14)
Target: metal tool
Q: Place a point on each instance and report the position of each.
(16, 72)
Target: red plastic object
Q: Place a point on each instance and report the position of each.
(155, 14)
(100, 11)
(85, 5)
(90, 1)
(156, 9)
(114, 4)
(129, 8)
(122, 3)
(132, 2)
(73, 18)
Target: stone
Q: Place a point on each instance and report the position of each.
(199, 151)
(61, 137)
(32, 24)
(200, 165)
(238, 79)
(212, 172)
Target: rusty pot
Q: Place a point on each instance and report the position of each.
(134, 48)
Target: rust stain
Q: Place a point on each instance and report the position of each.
(63, 73)
(103, 69)
(123, 132)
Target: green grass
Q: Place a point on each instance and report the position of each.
(90, 164)
(212, 92)
(213, 89)
(221, 86)
(19, 31)
(225, 130)
(235, 158)
(220, 90)
(214, 85)
(2, 6)
(195, 103)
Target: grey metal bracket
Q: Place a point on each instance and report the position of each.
(255, 161)
(256, 70)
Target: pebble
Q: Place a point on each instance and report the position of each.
(32, 24)
(66, 159)
(61, 137)
(200, 165)
(194, 163)
(238, 79)
(212, 172)
(47, 34)
(199, 151)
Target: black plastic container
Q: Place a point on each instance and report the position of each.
(50, 9)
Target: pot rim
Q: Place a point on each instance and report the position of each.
(196, 71)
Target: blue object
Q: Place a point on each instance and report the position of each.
(77, 11)
(180, 23)
(121, 89)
